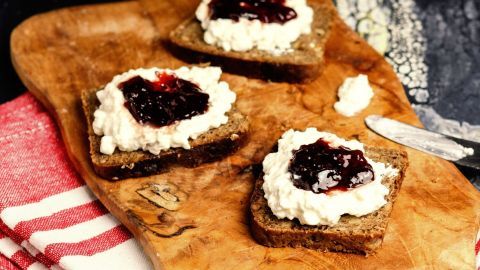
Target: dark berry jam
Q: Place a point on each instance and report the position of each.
(342, 167)
(164, 101)
(267, 11)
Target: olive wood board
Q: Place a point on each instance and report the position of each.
(58, 54)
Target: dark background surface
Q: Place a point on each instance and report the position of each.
(452, 30)
(13, 12)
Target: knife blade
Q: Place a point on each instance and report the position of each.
(460, 151)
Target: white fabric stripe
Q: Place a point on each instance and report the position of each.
(73, 234)
(8, 247)
(56, 267)
(37, 266)
(29, 248)
(127, 255)
(46, 207)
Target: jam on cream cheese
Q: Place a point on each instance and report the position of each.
(248, 32)
(119, 128)
(321, 168)
(164, 101)
(355, 94)
(267, 11)
(288, 201)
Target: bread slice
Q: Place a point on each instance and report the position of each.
(210, 146)
(362, 235)
(303, 64)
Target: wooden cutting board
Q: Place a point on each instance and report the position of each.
(58, 54)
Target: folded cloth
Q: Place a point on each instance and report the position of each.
(48, 216)
(14, 256)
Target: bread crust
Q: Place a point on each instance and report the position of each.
(303, 64)
(210, 146)
(361, 235)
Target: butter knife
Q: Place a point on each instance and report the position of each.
(460, 151)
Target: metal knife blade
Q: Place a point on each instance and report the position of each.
(460, 151)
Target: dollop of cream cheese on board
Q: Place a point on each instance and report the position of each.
(119, 129)
(244, 34)
(287, 201)
(354, 95)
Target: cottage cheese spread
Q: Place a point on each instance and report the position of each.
(119, 129)
(287, 201)
(244, 34)
(355, 94)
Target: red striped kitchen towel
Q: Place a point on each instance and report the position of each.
(48, 217)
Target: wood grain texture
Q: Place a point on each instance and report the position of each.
(58, 54)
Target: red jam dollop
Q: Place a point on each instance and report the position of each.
(344, 168)
(267, 11)
(164, 101)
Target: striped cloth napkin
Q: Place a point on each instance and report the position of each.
(48, 217)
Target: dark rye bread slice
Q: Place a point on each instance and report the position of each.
(303, 64)
(361, 235)
(210, 146)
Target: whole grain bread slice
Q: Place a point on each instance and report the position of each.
(210, 146)
(304, 63)
(361, 235)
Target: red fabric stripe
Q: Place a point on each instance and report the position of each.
(38, 167)
(18, 103)
(41, 258)
(21, 106)
(22, 127)
(23, 115)
(61, 220)
(9, 233)
(22, 259)
(477, 248)
(97, 244)
(6, 264)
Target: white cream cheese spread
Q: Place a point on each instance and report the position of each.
(287, 201)
(244, 34)
(354, 95)
(118, 128)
